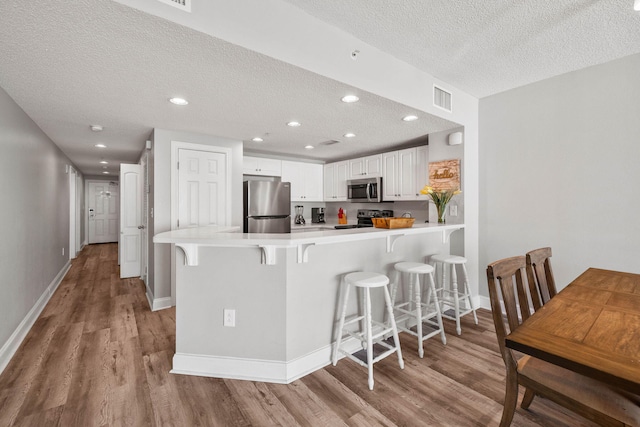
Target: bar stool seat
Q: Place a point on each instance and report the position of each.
(372, 332)
(450, 294)
(413, 309)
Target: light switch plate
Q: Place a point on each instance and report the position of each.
(229, 318)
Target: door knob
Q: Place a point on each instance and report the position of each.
(141, 227)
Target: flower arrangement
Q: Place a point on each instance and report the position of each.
(440, 198)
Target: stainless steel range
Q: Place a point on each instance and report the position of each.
(364, 218)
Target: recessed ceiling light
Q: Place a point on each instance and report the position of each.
(349, 135)
(257, 139)
(100, 146)
(96, 128)
(178, 101)
(309, 147)
(636, 5)
(410, 118)
(104, 162)
(350, 98)
(106, 172)
(294, 124)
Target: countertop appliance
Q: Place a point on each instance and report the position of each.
(267, 207)
(299, 219)
(365, 190)
(364, 218)
(317, 215)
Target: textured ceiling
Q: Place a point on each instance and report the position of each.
(485, 47)
(73, 64)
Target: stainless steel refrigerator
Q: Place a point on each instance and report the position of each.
(267, 207)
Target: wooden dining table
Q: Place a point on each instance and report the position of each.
(591, 327)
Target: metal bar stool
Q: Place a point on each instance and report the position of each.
(450, 294)
(367, 335)
(413, 308)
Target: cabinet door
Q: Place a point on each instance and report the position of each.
(261, 166)
(335, 181)
(313, 182)
(329, 182)
(422, 170)
(340, 181)
(270, 167)
(357, 168)
(365, 166)
(249, 165)
(291, 172)
(390, 176)
(373, 165)
(406, 178)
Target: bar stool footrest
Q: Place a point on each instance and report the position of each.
(451, 313)
(426, 326)
(381, 349)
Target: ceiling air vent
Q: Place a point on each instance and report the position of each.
(330, 142)
(441, 98)
(180, 4)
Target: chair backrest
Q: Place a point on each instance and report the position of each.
(514, 295)
(540, 276)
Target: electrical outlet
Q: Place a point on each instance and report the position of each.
(229, 318)
(453, 210)
(63, 251)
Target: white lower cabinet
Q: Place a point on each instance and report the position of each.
(306, 180)
(335, 181)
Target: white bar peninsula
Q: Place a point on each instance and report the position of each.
(285, 290)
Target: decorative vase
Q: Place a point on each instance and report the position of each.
(442, 209)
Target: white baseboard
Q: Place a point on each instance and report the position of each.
(270, 371)
(11, 346)
(161, 303)
(156, 304)
(482, 302)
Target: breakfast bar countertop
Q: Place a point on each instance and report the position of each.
(229, 236)
(191, 240)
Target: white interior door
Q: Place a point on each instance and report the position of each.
(202, 188)
(145, 218)
(102, 204)
(72, 214)
(79, 213)
(130, 220)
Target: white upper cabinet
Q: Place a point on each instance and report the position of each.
(390, 176)
(422, 170)
(261, 166)
(363, 167)
(306, 180)
(335, 181)
(405, 173)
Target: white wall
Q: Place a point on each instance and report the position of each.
(160, 198)
(559, 167)
(34, 220)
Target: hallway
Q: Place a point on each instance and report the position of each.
(97, 356)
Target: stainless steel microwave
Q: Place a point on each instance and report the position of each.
(365, 190)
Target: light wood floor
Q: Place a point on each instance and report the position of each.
(97, 356)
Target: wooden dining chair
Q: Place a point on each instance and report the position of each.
(592, 399)
(540, 276)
